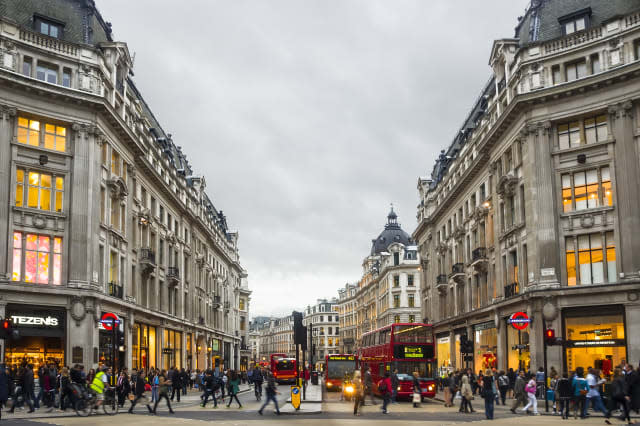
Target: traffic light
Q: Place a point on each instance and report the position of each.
(550, 337)
(466, 345)
(121, 341)
(7, 331)
(299, 331)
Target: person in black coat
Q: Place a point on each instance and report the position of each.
(176, 383)
(25, 381)
(632, 377)
(138, 388)
(4, 387)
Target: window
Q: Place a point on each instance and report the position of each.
(38, 253)
(586, 189)
(591, 259)
(47, 73)
(66, 77)
(241, 304)
(27, 66)
(42, 190)
(576, 70)
(410, 280)
(48, 28)
(55, 137)
(595, 63)
(412, 318)
(396, 300)
(396, 280)
(396, 259)
(570, 135)
(557, 77)
(412, 302)
(575, 25)
(115, 162)
(396, 319)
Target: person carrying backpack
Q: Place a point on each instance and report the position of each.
(384, 387)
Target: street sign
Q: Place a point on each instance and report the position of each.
(108, 320)
(519, 320)
(295, 397)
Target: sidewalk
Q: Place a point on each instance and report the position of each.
(311, 405)
(192, 398)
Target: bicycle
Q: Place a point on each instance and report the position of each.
(87, 403)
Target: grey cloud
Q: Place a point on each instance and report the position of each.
(309, 117)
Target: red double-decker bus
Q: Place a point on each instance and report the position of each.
(337, 367)
(408, 348)
(283, 368)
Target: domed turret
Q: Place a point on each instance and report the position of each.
(392, 233)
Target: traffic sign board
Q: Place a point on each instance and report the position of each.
(295, 397)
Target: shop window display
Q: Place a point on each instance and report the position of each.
(444, 354)
(595, 340)
(518, 355)
(486, 348)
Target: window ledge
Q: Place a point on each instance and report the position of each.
(558, 151)
(48, 213)
(587, 211)
(41, 149)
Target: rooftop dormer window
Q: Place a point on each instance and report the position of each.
(48, 26)
(576, 21)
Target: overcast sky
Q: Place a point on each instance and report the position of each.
(308, 118)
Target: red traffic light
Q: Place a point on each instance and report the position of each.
(551, 334)
(6, 324)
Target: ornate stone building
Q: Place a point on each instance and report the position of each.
(102, 213)
(389, 290)
(322, 323)
(534, 207)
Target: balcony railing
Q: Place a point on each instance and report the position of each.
(173, 275)
(511, 290)
(458, 268)
(441, 279)
(479, 254)
(115, 290)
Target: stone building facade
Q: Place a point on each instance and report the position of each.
(534, 206)
(389, 290)
(323, 330)
(275, 336)
(101, 211)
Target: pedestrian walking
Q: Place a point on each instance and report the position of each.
(234, 388)
(519, 394)
(563, 395)
(210, 385)
(488, 394)
(632, 377)
(271, 393)
(417, 392)
(139, 388)
(176, 383)
(163, 391)
(593, 395)
(620, 393)
(580, 389)
(503, 386)
(384, 387)
(530, 390)
(394, 386)
(358, 394)
(448, 382)
(466, 392)
(368, 386)
(123, 387)
(4, 387)
(540, 383)
(511, 375)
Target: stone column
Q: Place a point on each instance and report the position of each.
(627, 176)
(541, 206)
(632, 312)
(7, 124)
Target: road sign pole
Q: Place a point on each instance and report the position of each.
(544, 347)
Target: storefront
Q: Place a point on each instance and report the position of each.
(108, 342)
(171, 349)
(189, 351)
(443, 353)
(517, 343)
(42, 336)
(143, 346)
(594, 336)
(485, 345)
(459, 361)
(215, 354)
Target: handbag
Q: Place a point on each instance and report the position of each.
(416, 398)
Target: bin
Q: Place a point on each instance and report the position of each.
(314, 377)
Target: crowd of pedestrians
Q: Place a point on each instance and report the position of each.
(567, 393)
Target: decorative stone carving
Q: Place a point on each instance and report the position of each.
(507, 185)
(441, 249)
(39, 221)
(458, 233)
(587, 221)
(118, 187)
(621, 110)
(480, 213)
(78, 309)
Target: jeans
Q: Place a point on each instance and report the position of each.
(533, 402)
(36, 401)
(385, 401)
(165, 396)
(503, 394)
(207, 393)
(597, 405)
(394, 395)
(565, 403)
(488, 408)
(270, 397)
(357, 401)
(580, 405)
(154, 393)
(184, 389)
(465, 405)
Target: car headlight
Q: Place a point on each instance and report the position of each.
(329, 384)
(398, 388)
(430, 388)
(349, 389)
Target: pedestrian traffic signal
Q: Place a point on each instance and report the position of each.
(550, 337)
(466, 345)
(7, 331)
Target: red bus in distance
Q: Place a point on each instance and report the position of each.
(283, 368)
(406, 347)
(337, 367)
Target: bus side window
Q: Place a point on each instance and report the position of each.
(381, 370)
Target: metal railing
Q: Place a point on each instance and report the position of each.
(441, 279)
(173, 272)
(511, 290)
(478, 254)
(115, 290)
(457, 268)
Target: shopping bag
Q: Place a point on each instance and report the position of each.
(416, 398)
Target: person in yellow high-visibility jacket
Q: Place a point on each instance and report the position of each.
(98, 384)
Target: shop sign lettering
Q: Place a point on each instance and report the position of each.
(49, 321)
(592, 343)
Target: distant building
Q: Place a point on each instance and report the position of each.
(323, 325)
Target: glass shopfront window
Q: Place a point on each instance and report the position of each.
(143, 346)
(459, 361)
(518, 355)
(595, 338)
(106, 346)
(171, 349)
(443, 353)
(189, 350)
(485, 345)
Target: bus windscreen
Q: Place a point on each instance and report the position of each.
(337, 369)
(284, 365)
(424, 369)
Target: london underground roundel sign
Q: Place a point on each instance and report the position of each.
(108, 320)
(519, 320)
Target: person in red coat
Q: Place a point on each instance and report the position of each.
(384, 387)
